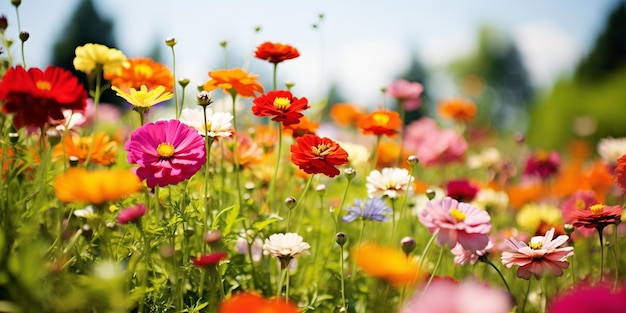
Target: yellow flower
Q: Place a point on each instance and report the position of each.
(532, 215)
(389, 264)
(144, 98)
(91, 55)
(95, 187)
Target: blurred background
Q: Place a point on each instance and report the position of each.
(553, 70)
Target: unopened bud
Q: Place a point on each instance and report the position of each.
(183, 82)
(569, 229)
(430, 194)
(189, 231)
(24, 36)
(223, 43)
(73, 161)
(350, 173)
(204, 98)
(4, 23)
(170, 42)
(257, 29)
(289, 84)
(14, 137)
(290, 202)
(213, 236)
(408, 245)
(321, 188)
(16, 3)
(341, 238)
(413, 160)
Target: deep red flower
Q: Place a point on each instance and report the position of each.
(38, 97)
(282, 105)
(620, 172)
(543, 164)
(462, 190)
(276, 52)
(314, 155)
(598, 216)
(212, 259)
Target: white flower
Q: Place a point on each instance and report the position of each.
(486, 158)
(387, 182)
(218, 124)
(87, 213)
(285, 245)
(611, 149)
(357, 154)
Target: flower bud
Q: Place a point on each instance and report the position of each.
(257, 29)
(204, 98)
(73, 160)
(289, 84)
(350, 173)
(223, 43)
(16, 3)
(213, 236)
(183, 82)
(170, 42)
(569, 229)
(519, 137)
(408, 245)
(341, 238)
(430, 194)
(4, 23)
(24, 36)
(189, 231)
(290, 202)
(14, 137)
(321, 189)
(413, 160)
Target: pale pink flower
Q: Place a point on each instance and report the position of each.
(406, 92)
(457, 222)
(541, 255)
(444, 296)
(462, 256)
(432, 145)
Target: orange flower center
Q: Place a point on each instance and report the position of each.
(322, 150)
(282, 103)
(597, 208)
(165, 150)
(43, 85)
(380, 118)
(457, 215)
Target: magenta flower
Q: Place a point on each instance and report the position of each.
(541, 255)
(543, 164)
(461, 190)
(587, 298)
(406, 92)
(131, 214)
(167, 152)
(457, 222)
(432, 145)
(207, 260)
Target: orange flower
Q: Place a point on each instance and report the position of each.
(249, 302)
(265, 136)
(95, 187)
(345, 114)
(141, 71)
(520, 195)
(387, 154)
(236, 80)
(575, 177)
(459, 109)
(103, 151)
(248, 151)
(276, 52)
(316, 155)
(305, 126)
(381, 122)
(388, 263)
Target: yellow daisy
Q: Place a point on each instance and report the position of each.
(144, 98)
(91, 55)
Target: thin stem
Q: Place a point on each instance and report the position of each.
(208, 141)
(233, 94)
(23, 56)
(300, 199)
(283, 274)
(374, 155)
(343, 289)
(146, 251)
(271, 197)
(274, 75)
(358, 244)
(343, 201)
(174, 86)
(601, 253)
(403, 204)
(434, 272)
(96, 101)
(427, 247)
(526, 295)
(616, 255)
(487, 261)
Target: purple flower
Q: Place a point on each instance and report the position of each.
(131, 214)
(167, 152)
(406, 92)
(457, 222)
(374, 209)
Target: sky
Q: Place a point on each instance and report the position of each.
(361, 46)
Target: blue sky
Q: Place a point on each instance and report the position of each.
(361, 45)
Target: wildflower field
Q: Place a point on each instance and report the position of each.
(238, 200)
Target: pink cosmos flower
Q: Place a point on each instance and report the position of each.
(432, 145)
(167, 152)
(457, 222)
(462, 256)
(588, 298)
(443, 296)
(406, 92)
(131, 214)
(541, 255)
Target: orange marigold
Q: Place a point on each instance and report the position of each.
(103, 151)
(95, 187)
(234, 80)
(380, 122)
(387, 263)
(345, 114)
(276, 52)
(249, 302)
(305, 126)
(459, 109)
(141, 71)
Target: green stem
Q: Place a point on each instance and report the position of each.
(283, 275)
(343, 289)
(526, 295)
(374, 155)
(488, 262)
(96, 101)
(233, 94)
(427, 247)
(271, 197)
(403, 204)
(434, 272)
(208, 143)
(616, 256)
(146, 259)
(274, 75)
(174, 85)
(300, 199)
(601, 253)
(23, 56)
(358, 244)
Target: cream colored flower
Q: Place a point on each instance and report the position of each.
(144, 98)
(357, 154)
(388, 182)
(486, 158)
(488, 198)
(91, 55)
(288, 245)
(218, 124)
(611, 149)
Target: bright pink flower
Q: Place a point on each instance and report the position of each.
(461, 190)
(462, 256)
(167, 152)
(432, 145)
(457, 222)
(543, 164)
(131, 214)
(406, 92)
(541, 255)
(212, 259)
(587, 298)
(443, 296)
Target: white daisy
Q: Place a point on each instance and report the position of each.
(218, 124)
(388, 182)
(288, 245)
(611, 149)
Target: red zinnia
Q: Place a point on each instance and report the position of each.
(598, 216)
(282, 105)
(462, 190)
(276, 52)
(38, 97)
(381, 122)
(210, 259)
(314, 155)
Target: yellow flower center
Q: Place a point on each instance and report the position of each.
(322, 150)
(43, 85)
(457, 215)
(165, 150)
(380, 118)
(282, 103)
(140, 98)
(597, 208)
(143, 70)
(535, 245)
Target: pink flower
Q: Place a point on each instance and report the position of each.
(580, 200)
(167, 152)
(457, 222)
(541, 255)
(443, 296)
(406, 92)
(462, 256)
(131, 214)
(586, 298)
(432, 145)
(543, 164)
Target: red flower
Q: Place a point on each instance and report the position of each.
(249, 302)
(131, 214)
(38, 97)
(314, 155)
(543, 164)
(282, 105)
(276, 52)
(461, 190)
(381, 122)
(209, 259)
(620, 172)
(598, 216)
